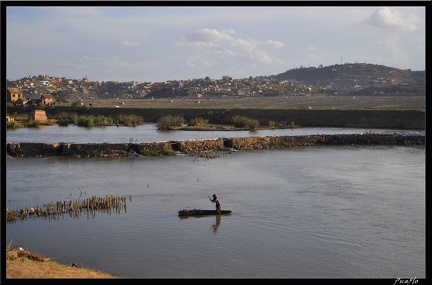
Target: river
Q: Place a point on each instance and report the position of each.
(313, 212)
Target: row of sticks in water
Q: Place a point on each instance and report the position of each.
(73, 207)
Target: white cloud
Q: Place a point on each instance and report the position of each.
(226, 52)
(210, 35)
(198, 45)
(243, 44)
(262, 57)
(224, 43)
(83, 62)
(90, 58)
(200, 61)
(389, 20)
(275, 44)
(130, 44)
(316, 55)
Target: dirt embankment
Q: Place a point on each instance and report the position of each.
(23, 264)
(206, 146)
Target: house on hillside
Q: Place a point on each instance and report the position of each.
(13, 94)
(47, 99)
(21, 102)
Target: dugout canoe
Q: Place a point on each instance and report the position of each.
(199, 212)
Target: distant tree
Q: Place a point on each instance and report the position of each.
(58, 97)
(200, 121)
(169, 122)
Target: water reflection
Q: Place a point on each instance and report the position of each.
(216, 223)
(214, 226)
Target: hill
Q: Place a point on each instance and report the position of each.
(360, 79)
(346, 79)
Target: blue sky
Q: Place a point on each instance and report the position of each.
(145, 43)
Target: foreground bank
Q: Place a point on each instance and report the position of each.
(23, 264)
(207, 147)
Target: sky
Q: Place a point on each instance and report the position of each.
(163, 43)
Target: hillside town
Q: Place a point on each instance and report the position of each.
(343, 79)
(40, 89)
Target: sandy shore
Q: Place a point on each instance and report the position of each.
(21, 263)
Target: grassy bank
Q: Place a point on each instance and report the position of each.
(386, 119)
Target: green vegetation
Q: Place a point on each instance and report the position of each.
(198, 122)
(76, 103)
(35, 124)
(282, 125)
(151, 151)
(66, 118)
(18, 115)
(163, 123)
(86, 121)
(14, 125)
(169, 122)
(58, 97)
(18, 120)
(129, 120)
(79, 105)
(245, 122)
(102, 121)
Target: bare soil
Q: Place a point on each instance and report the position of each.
(23, 264)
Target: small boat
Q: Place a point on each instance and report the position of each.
(198, 212)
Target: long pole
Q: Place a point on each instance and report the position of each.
(214, 204)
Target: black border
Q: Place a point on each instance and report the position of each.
(5, 4)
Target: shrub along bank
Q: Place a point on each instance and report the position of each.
(380, 119)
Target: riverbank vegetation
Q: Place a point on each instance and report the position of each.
(390, 112)
(165, 123)
(245, 122)
(89, 121)
(14, 125)
(238, 123)
(170, 123)
(71, 118)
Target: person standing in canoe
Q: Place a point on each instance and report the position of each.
(216, 201)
